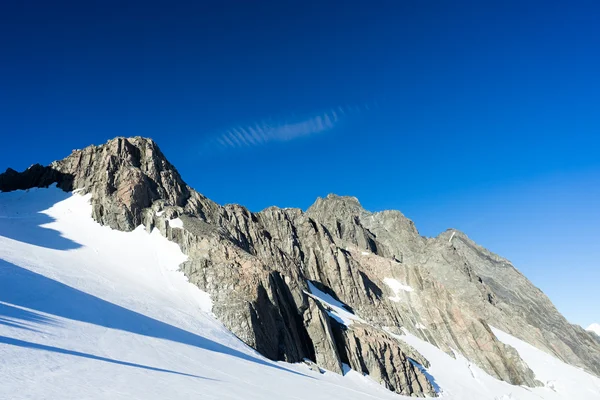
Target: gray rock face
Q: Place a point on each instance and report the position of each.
(374, 353)
(318, 325)
(510, 293)
(124, 176)
(445, 290)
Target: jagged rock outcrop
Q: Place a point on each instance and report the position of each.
(34, 176)
(374, 353)
(125, 176)
(257, 268)
(318, 325)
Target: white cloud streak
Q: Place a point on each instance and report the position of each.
(261, 133)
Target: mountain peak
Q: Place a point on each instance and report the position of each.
(135, 151)
(335, 204)
(126, 175)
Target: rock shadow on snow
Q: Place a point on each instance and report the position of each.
(21, 288)
(36, 346)
(22, 218)
(16, 317)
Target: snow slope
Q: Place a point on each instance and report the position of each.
(87, 312)
(594, 328)
(458, 379)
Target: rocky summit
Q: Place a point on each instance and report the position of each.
(332, 285)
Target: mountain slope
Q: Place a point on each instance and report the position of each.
(333, 284)
(91, 312)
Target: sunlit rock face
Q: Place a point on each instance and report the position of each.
(332, 284)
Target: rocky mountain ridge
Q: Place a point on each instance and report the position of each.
(282, 280)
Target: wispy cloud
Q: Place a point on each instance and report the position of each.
(261, 133)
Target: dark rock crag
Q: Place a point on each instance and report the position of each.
(256, 267)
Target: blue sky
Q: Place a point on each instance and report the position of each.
(481, 116)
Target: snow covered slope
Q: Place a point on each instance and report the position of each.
(594, 328)
(460, 379)
(89, 312)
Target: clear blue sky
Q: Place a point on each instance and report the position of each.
(482, 116)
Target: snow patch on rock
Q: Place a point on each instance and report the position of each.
(176, 223)
(396, 287)
(336, 309)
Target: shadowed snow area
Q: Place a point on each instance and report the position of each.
(22, 212)
(67, 302)
(87, 312)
